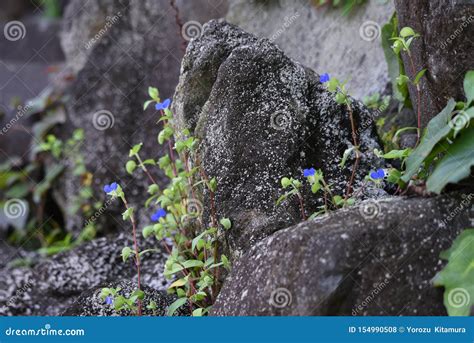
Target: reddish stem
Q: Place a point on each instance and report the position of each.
(356, 146)
(137, 255)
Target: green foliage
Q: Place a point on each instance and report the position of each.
(195, 262)
(376, 102)
(446, 151)
(457, 277)
(395, 62)
(22, 185)
(347, 5)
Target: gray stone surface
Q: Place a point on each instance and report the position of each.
(261, 116)
(444, 48)
(119, 49)
(323, 39)
(376, 259)
(51, 286)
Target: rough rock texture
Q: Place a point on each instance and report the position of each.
(91, 304)
(262, 116)
(444, 48)
(50, 287)
(377, 259)
(323, 39)
(118, 49)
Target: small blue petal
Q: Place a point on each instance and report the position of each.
(166, 103)
(107, 189)
(324, 78)
(160, 213)
(379, 174)
(113, 186)
(109, 300)
(309, 172)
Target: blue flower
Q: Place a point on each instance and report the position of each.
(163, 105)
(110, 188)
(109, 300)
(160, 213)
(324, 78)
(377, 175)
(309, 172)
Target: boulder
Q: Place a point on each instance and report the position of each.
(322, 38)
(375, 259)
(261, 116)
(446, 29)
(90, 302)
(118, 49)
(51, 286)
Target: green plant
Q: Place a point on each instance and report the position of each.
(195, 262)
(342, 97)
(347, 5)
(457, 277)
(395, 63)
(446, 152)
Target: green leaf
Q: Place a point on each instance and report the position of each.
(173, 270)
(394, 154)
(315, 187)
(149, 161)
(456, 164)
(126, 252)
(127, 213)
(179, 283)
(192, 264)
(407, 32)
(285, 182)
(147, 103)
(469, 86)
(213, 184)
(225, 222)
(148, 230)
(419, 76)
(437, 129)
(176, 305)
(457, 277)
(345, 156)
(153, 189)
(198, 312)
(165, 134)
(130, 166)
(153, 93)
(135, 149)
(402, 79)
